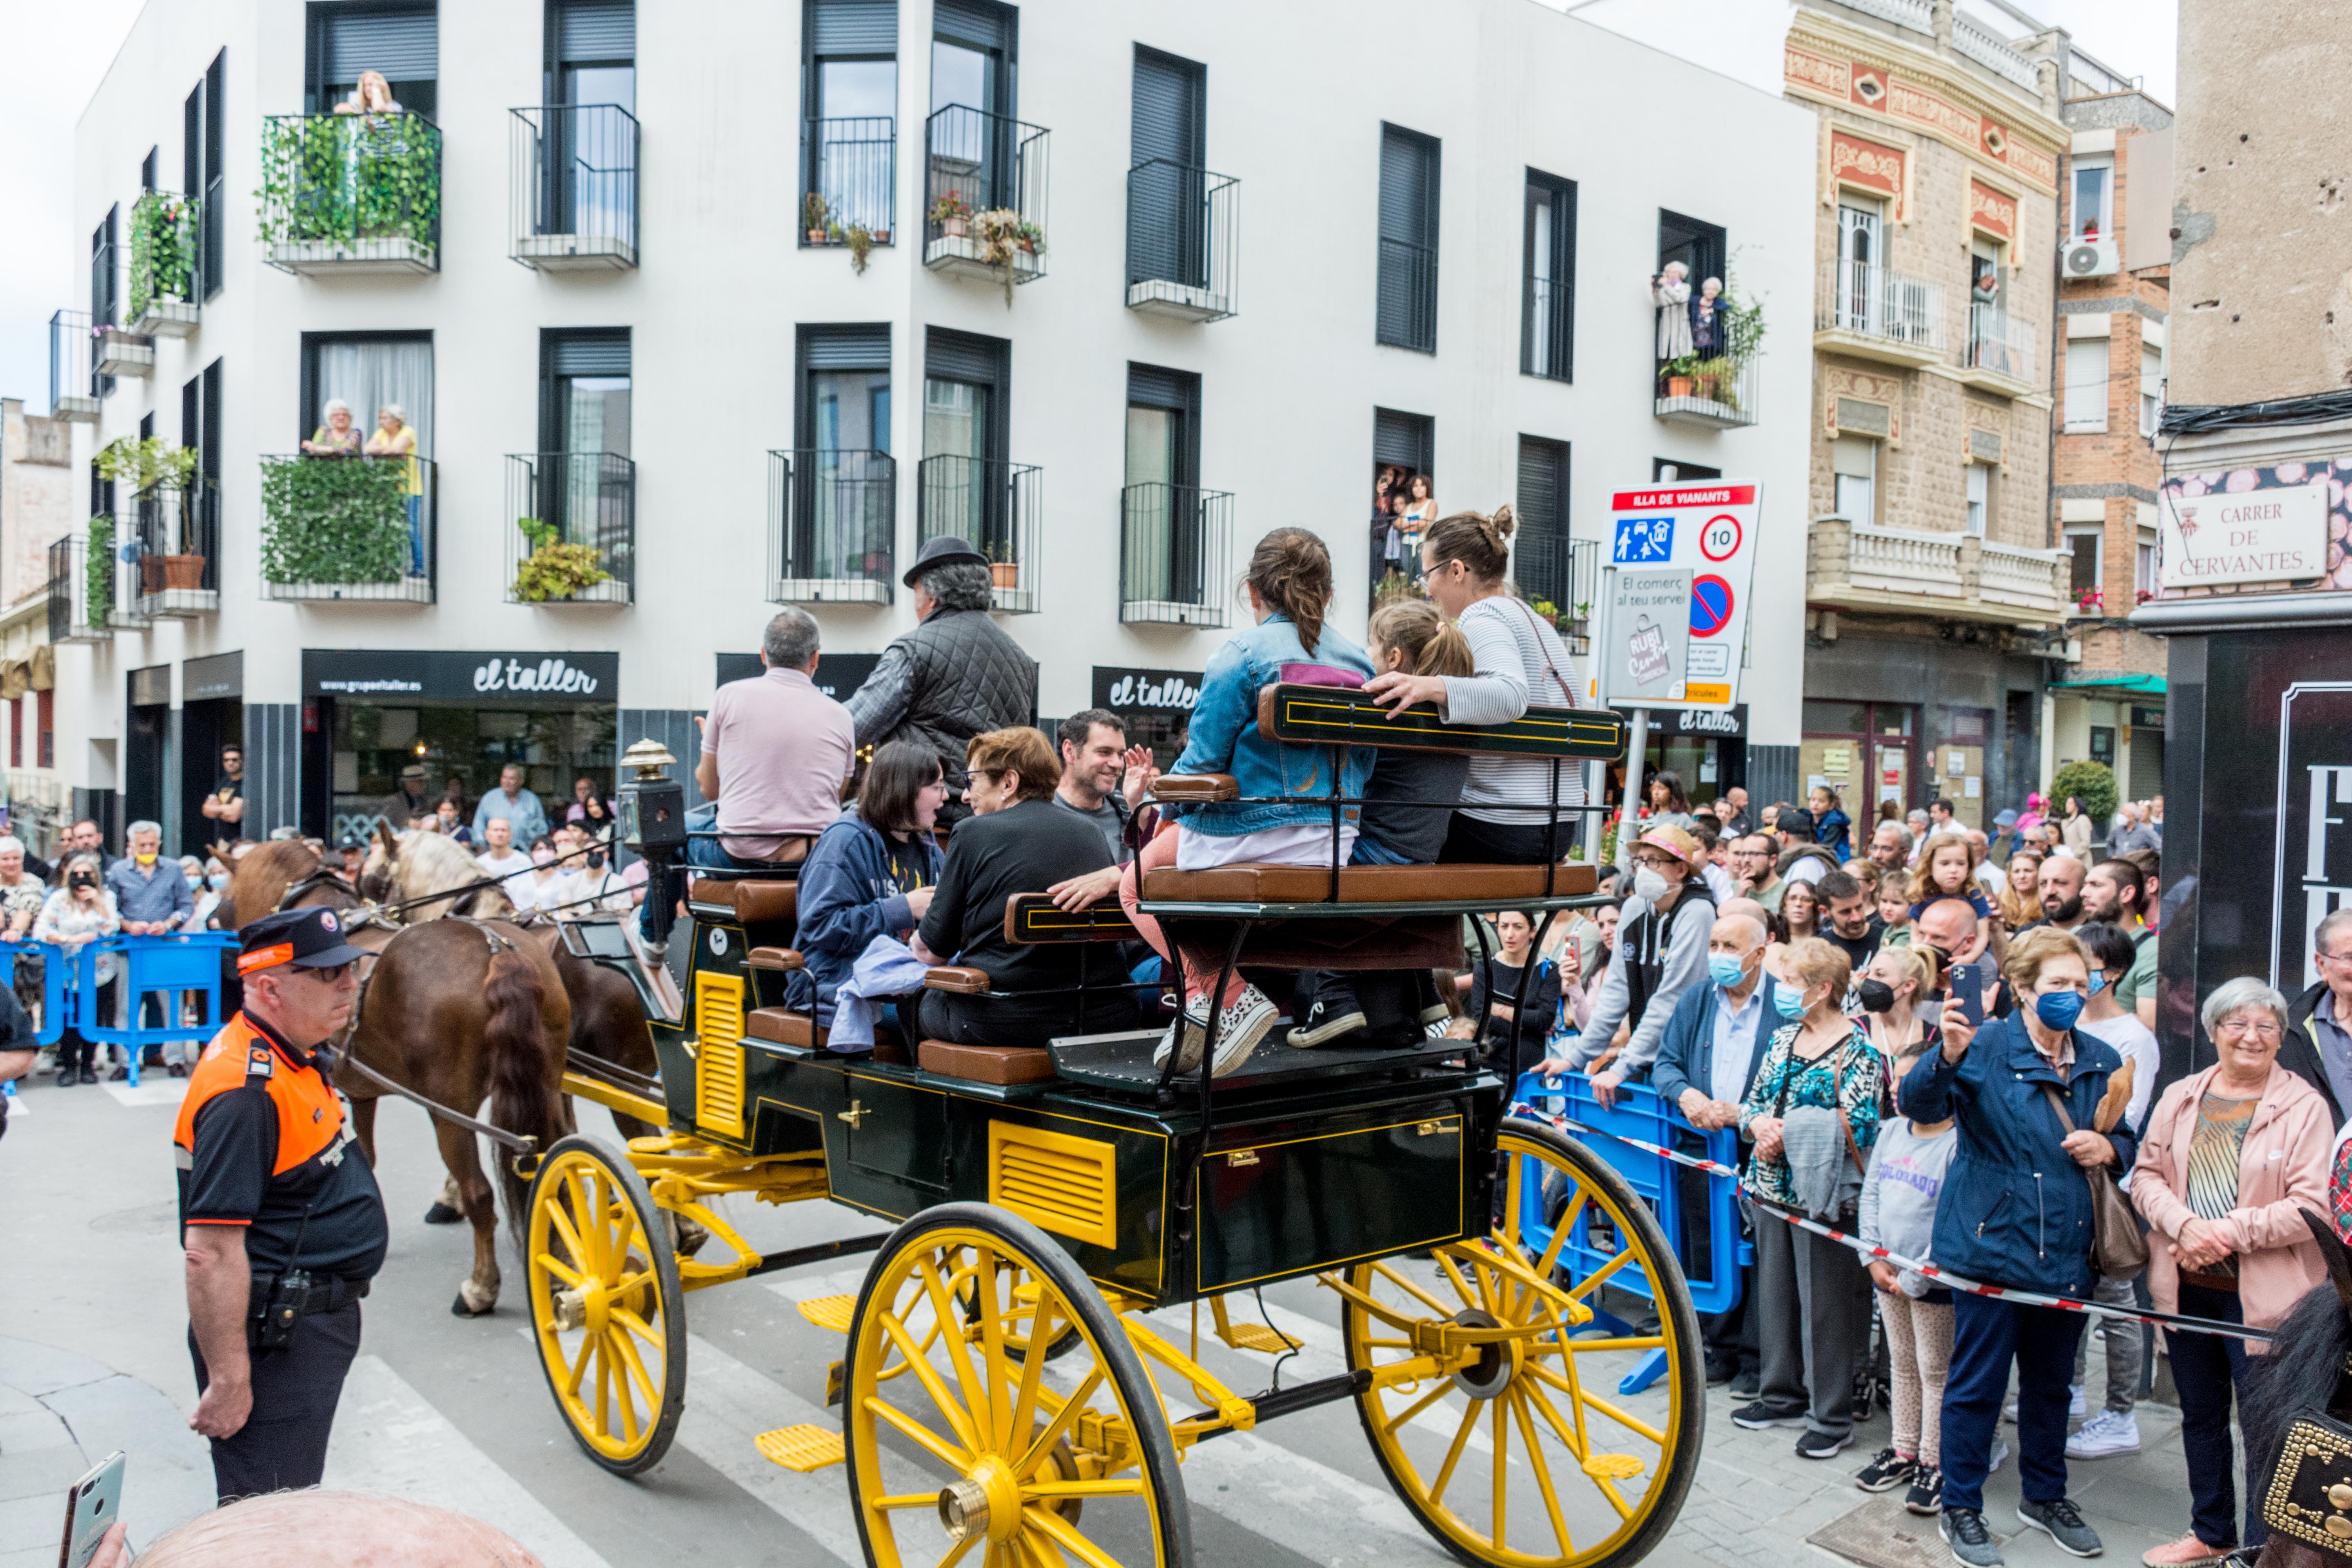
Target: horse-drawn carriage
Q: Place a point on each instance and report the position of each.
(1020, 1384)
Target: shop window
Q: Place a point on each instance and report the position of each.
(1853, 462)
(2086, 384)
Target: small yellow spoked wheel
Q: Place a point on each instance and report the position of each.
(1530, 1456)
(964, 1448)
(606, 1305)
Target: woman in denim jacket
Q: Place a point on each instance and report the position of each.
(1290, 585)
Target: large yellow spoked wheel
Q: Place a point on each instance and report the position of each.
(986, 1455)
(1530, 1456)
(606, 1305)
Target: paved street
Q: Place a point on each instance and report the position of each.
(455, 1412)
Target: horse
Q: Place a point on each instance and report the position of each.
(2306, 1371)
(261, 879)
(411, 868)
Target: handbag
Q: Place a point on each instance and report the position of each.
(2118, 1245)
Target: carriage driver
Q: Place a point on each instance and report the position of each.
(279, 1211)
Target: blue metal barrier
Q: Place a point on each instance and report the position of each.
(1641, 1113)
(172, 964)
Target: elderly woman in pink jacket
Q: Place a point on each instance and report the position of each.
(2229, 1158)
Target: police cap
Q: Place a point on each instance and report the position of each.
(305, 938)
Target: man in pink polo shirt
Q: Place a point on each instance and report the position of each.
(775, 751)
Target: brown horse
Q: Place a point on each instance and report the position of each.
(260, 880)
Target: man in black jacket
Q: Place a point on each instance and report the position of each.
(956, 675)
(2318, 1045)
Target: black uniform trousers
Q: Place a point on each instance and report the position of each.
(283, 1443)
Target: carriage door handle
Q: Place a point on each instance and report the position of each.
(854, 1115)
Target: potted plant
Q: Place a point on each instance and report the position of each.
(952, 216)
(860, 241)
(1002, 570)
(813, 214)
(1029, 237)
(553, 569)
(148, 464)
(1679, 377)
(1579, 621)
(2090, 602)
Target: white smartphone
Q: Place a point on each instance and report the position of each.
(91, 1507)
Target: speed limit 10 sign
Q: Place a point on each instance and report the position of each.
(1709, 530)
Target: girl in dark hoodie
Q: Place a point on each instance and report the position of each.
(871, 873)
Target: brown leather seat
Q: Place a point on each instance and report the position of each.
(782, 958)
(752, 899)
(1262, 884)
(779, 1027)
(986, 1064)
(960, 979)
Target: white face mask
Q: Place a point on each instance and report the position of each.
(1648, 886)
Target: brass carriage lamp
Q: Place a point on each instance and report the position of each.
(653, 806)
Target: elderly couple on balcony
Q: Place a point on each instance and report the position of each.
(394, 437)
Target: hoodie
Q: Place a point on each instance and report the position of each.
(850, 894)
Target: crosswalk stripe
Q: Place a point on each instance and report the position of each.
(389, 1438)
(728, 1405)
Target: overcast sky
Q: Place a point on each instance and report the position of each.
(55, 53)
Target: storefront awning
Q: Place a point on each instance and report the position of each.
(2120, 681)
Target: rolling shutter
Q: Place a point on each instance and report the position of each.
(599, 354)
(854, 26)
(845, 348)
(1541, 506)
(1149, 386)
(1405, 439)
(1408, 187)
(404, 45)
(592, 30)
(1167, 108)
(963, 356)
(974, 24)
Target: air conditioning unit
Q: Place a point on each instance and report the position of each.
(2091, 259)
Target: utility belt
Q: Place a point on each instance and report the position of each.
(280, 1301)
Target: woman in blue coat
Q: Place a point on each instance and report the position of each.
(2016, 1211)
(871, 873)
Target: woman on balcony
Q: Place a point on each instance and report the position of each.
(395, 438)
(338, 437)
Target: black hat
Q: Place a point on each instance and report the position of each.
(305, 938)
(946, 550)
(1796, 820)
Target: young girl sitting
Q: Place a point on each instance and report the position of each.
(1289, 583)
(1948, 870)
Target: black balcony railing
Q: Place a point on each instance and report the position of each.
(832, 520)
(178, 530)
(64, 574)
(1547, 328)
(92, 593)
(573, 187)
(1553, 570)
(985, 195)
(1408, 296)
(348, 528)
(573, 540)
(1182, 241)
(1175, 549)
(73, 387)
(350, 192)
(849, 179)
(999, 507)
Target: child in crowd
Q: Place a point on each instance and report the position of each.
(1894, 909)
(1290, 585)
(1832, 826)
(1948, 870)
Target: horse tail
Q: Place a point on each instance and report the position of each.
(2307, 1353)
(523, 1098)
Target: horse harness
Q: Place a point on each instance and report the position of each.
(2308, 1499)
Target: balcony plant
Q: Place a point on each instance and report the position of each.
(334, 520)
(553, 569)
(163, 250)
(342, 177)
(952, 215)
(1680, 373)
(815, 215)
(1003, 571)
(860, 241)
(149, 467)
(1004, 234)
(1716, 380)
(2090, 602)
(98, 570)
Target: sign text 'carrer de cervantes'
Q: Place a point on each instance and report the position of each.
(2272, 535)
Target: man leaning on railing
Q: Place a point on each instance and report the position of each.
(152, 896)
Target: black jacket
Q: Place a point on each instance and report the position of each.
(2299, 1052)
(956, 675)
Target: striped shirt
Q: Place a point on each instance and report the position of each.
(1516, 655)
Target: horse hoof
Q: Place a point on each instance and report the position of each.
(442, 1213)
(458, 1309)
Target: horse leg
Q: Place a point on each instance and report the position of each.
(445, 1209)
(479, 1292)
(363, 1127)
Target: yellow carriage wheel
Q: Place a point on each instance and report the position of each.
(963, 1448)
(606, 1305)
(1530, 1456)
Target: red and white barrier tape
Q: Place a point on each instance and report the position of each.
(1926, 1271)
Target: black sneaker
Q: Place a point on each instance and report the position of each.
(2061, 1522)
(1886, 1472)
(1963, 1529)
(1761, 1417)
(1719, 1373)
(1324, 1023)
(1823, 1445)
(1926, 1493)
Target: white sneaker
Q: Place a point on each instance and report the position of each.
(1195, 1024)
(2000, 1452)
(2109, 1432)
(1240, 1027)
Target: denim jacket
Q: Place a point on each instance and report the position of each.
(1223, 737)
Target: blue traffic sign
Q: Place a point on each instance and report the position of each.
(1642, 540)
(1710, 605)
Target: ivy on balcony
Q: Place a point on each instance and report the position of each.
(349, 179)
(98, 570)
(163, 250)
(334, 520)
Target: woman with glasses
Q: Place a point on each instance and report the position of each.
(2231, 1157)
(1660, 953)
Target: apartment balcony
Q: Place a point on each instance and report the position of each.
(574, 537)
(984, 196)
(1864, 311)
(1175, 555)
(92, 593)
(351, 194)
(1183, 242)
(1991, 50)
(114, 350)
(1999, 353)
(178, 550)
(832, 523)
(1718, 393)
(999, 507)
(1950, 576)
(347, 529)
(167, 265)
(574, 188)
(849, 182)
(73, 385)
(1559, 578)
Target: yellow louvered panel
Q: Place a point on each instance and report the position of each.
(719, 1061)
(1064, 1184)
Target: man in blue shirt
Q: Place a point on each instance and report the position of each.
(152, 896)
(510, 800)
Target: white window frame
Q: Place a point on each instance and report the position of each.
(1838, 479)
(2097, 531)
(2104, 163)
(2144, 564)
(1979, 499)
(2089, 416)
(2151, 388)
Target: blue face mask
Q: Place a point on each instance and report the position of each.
(1726, 969)
(2098, 981)
(1789, 1001)
(2059, 1009)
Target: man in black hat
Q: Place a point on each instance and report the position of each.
(407, 800)
(279, 1211)
(958, 674)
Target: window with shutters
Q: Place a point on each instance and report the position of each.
(354, 182)
(833, 497)
(1547, 306)
(1175, 537)
(849, 135)
(104, 286)
(580, 488)
(2086, 384)
(400, 42)
(1540, 556)
(1853, 466)
(202, 164)
(575, 173)
(984, 172)
(966, 487)
(1407, 309)
(1180, 238)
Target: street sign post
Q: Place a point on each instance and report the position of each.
(1707, 532)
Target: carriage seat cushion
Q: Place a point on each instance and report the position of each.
(782, 958)
(1196, 787)
(779, 1027)
(752, 899)
(986, 1064)
(958, 979)
(1250, 883)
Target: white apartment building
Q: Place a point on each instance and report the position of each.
(1222, 263)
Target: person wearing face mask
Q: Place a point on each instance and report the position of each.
(1893, 991)
(75, 915)
(1660, 953)
(1707, 1064)
(548, 882)
(2015, 1211)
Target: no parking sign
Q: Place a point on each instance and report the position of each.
(1707, 529)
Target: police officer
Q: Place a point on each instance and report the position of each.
(279, 1211)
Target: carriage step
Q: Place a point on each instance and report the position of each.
(803, 1447)
(1609, 1466)
(831, 1313)
(1254, 1336)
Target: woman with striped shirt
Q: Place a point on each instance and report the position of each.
(1520, 661)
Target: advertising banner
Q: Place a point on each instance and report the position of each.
(1648, 637)
(1706, 531)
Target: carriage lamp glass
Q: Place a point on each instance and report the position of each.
(653, 809)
